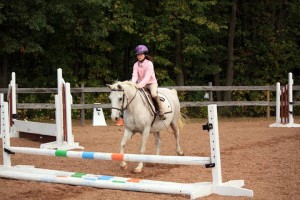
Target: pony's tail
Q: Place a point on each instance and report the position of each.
(181, 120)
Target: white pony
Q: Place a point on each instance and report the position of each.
(139, 115)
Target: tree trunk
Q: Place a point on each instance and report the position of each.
(230, 62)
(217, 61)
(279, 17)
(126, 69)
(4, 72)
(217, 83)
(178, 60)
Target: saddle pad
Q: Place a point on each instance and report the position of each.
(165, 103)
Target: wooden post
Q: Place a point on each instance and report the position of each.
(82, 111)
(210, 92)
(268, 107)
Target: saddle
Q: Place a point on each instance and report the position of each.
(152, 103)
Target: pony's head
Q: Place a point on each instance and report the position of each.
(118, 98)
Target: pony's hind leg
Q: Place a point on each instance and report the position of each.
(145, 136)
(157, 142)
(127, 135)
(177, 137)
(157, 146)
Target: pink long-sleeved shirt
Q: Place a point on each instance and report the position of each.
(143, 73)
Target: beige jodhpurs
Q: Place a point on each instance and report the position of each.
(153, 89)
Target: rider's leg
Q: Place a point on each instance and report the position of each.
(153, 90)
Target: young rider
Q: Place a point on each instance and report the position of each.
(144, 75)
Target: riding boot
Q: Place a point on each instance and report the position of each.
(161, 112)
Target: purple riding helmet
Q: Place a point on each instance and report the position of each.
(141, 49)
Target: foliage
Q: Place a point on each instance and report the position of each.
(92, 41)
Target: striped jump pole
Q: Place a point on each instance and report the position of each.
(284, 104)
(194, 190)
(106, 182)
(186, 160)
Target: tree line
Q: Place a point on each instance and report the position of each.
(227, 42)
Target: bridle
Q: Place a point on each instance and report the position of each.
(123, 100)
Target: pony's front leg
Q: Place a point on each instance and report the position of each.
(145, 136)
(127, 135)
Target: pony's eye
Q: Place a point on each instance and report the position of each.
(120, 99)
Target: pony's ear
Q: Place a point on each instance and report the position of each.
(120, 87)
(109, 86)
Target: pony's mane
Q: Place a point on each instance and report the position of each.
(129, 83)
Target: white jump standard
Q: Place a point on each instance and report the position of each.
(284, 105)
(194, 190)
(61, 130)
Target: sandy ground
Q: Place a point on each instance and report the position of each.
(266, 158)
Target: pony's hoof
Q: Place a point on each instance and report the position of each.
(137, 170)
(124, 167)
(180, 153)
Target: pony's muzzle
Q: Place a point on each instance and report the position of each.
(115, 117)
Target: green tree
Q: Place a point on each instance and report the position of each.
(22, 26)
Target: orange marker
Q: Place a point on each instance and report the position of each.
(120, 122)
(117, 157)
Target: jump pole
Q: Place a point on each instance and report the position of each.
(194, 190)
(284, 104)
(61, 130)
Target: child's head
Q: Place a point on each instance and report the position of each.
(141, 52)
(140, 49)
